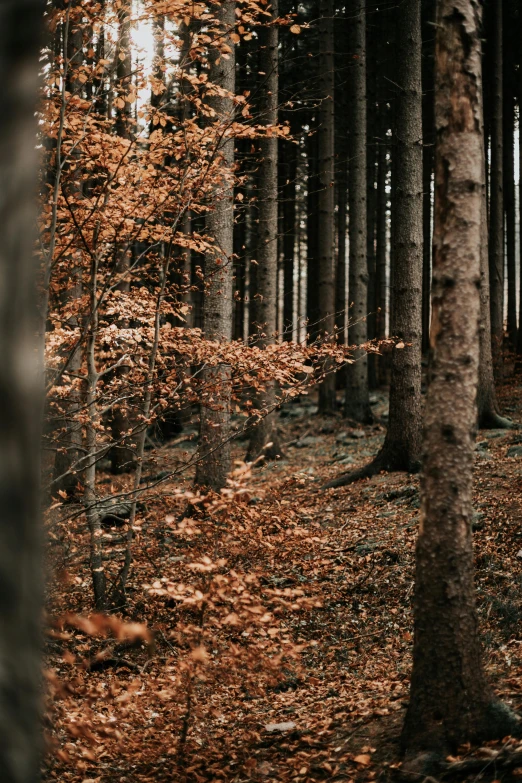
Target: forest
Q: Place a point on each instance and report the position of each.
(261, 352)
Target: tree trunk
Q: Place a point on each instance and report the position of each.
(519, 339)
(451, 701)
(289, 219)
(509, 195)
(371, 207)
(214, 445)
(325, 134)
(312, 238)
(488, 415)
(496, 219)
(123, 454)
(21, 27)
(263, 436)
(69, 443)
(428, 120)
(357, 403)
(381, 237)
(402, 445)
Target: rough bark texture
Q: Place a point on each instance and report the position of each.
(401, 450)
(326, 196)
(289, 218)
(519, 338)
(70, 442)
(312, 244)
(214, 463)
(263, 436)
(496, 214)
(508, 147)
(488, 415)
(451, 701)
(340, 269)
(357, 403)
(381, 239)
(21, 25)
(123, 454)
(428, 14)
(402, 445)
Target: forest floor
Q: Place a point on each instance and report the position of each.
(281, 617)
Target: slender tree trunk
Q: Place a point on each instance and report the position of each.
(325, 133)
(519, 339)
(263, 436)
(488, 414)
(312, 239)
(496, 224)
(70, 442)
(509, 199)
(371, 220)
(214, 462)
(381, 240)
(123, 455)
(451, 701)
(402, 445)
(357, 403)
(289, 231)
(340, 275)
(428, 122)
(21, 28)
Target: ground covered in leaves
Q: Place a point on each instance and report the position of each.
(278, 618)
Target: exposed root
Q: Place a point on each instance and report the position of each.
(384, 461)
(491, 420)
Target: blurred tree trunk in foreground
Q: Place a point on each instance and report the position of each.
(21, 24)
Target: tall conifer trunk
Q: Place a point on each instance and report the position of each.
(401, 449)
(496, 214)
(214, 445)
(508, 149)
(263, 437)
(357, 402)
(326, 197)
(69, 454)
(451, 701)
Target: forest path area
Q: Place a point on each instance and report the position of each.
(281, 617)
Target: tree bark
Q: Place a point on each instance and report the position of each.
(371, 206)
(69, 443)
(519, 339)
(326, 198)
(312, 237)
(357, 402)
(402, 445)
(488, 414)
(496, 218)
(214, 444)
(263, 436)
(428, 120)
(451, 701)
(509, 189)
(21, 27)
(289, 232)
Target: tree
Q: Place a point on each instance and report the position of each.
(451, 701)
(263, 437)
(326, 196)
(496, 215)
(21, 25)
(214, 463)
(488, 413)
(402, 445)
(357, 400)
(69, 442)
